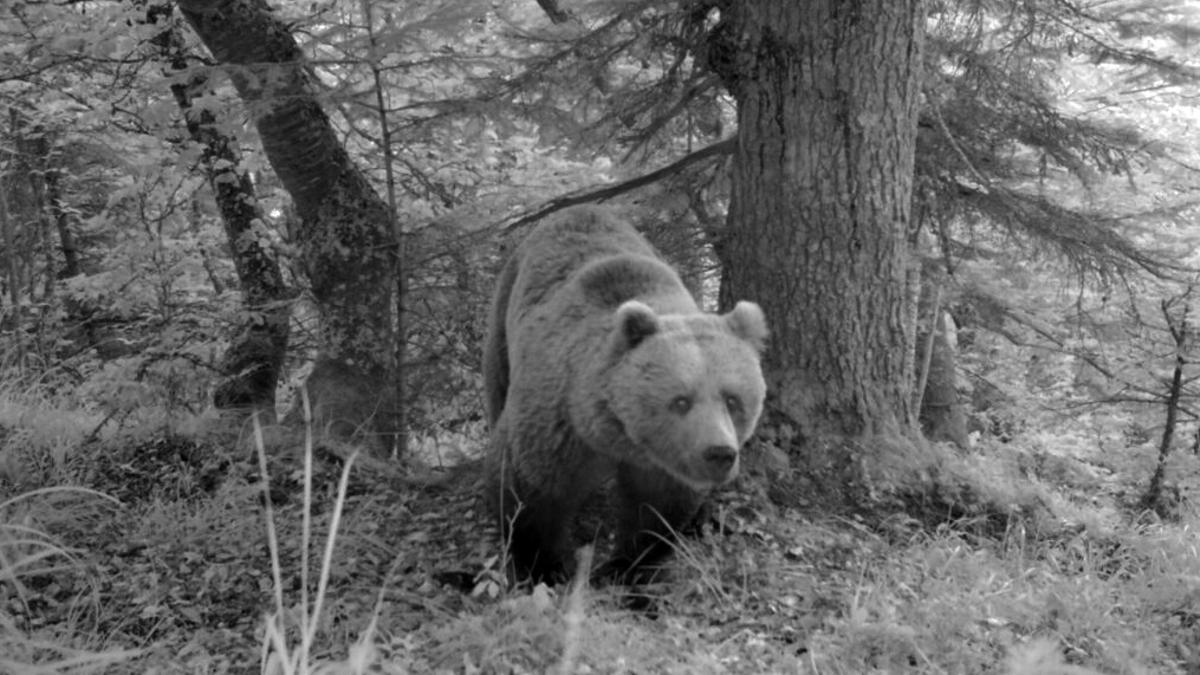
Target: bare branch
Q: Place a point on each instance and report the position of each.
(717, 149)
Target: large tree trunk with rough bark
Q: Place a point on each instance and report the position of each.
(827, 94)
(252, 365)
(346, 242)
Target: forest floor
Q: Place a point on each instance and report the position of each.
(157, 559)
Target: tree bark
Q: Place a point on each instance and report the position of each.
(62, 223)
(827, 94)
(346, 245)
(940, 410)
(12, 276)
(253, 362)
(33, 144)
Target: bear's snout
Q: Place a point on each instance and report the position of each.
(720, 459)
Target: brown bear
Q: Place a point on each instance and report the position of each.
(598, 363)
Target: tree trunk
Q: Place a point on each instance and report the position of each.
(827, 94)
(62, 223)
(941, 412)
(1175, 313)
(33, 144)
(346, 245)
(12, 277)
(252, 365)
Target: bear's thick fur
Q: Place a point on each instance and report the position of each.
(598, 363)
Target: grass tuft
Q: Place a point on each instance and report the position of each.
(289, 636)
(28, 555)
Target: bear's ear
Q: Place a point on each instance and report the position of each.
(635, 322)
(747, 322)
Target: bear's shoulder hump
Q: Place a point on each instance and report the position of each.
(610, 281)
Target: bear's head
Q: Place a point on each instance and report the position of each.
(687, 389)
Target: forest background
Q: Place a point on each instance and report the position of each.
(971, 224)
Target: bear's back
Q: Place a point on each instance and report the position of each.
(605, 260)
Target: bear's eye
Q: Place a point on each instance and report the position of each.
(733, 403)
(681, 405)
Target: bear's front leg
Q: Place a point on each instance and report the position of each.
(535, 530)
(654, 507)
(533, 515)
